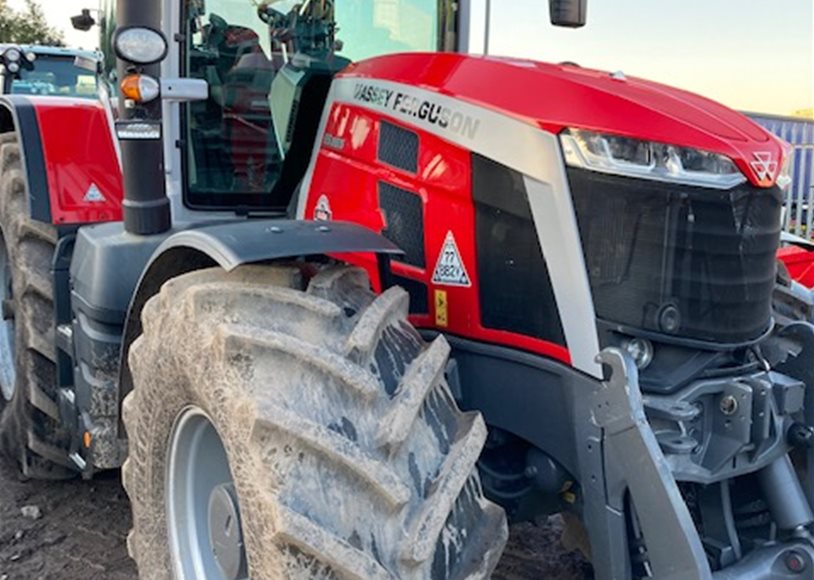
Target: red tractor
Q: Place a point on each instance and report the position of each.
(338, 230)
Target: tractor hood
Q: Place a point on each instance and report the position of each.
(556, 97)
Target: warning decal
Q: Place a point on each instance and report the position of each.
(441, 317)
(93, 194)
(322, 212)
(450, 270)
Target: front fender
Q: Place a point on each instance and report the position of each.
(234, 243)
(70, 159)
(231, 244)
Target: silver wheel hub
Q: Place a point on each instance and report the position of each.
(8, 375)
(203, 514)
(224, 531)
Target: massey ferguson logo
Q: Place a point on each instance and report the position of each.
(764, 166)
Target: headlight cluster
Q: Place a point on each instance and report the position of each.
(648, 160)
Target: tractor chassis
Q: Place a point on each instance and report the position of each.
(609, 437)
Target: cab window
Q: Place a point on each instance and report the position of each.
(269, 65)
(368, 29)
(58, 76)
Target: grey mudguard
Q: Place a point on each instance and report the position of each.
(230, 244)
(234, 243)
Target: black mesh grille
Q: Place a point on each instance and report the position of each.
(398, 147)
(685, 261)
(404, 222)
(515, 288)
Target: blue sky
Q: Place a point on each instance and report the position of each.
(749, 54)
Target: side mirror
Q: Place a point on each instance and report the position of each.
(83, 21)
(569, 13)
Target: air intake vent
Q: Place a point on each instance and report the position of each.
(398, 147)
(404, 222)
(516, 294)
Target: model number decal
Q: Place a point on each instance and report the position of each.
(411, 106)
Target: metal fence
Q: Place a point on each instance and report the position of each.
(799, 215)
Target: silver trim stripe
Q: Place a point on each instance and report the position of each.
(518, 145)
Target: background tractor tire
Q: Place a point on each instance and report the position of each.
(347, 452)
(30, 431)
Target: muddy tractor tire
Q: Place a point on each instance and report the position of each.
(30, 430)
(279, 431)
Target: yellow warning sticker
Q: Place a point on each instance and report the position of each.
(441, 308)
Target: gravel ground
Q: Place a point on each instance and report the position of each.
(76, 530)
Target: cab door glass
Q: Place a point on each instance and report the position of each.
(231, 145)
(268, 64)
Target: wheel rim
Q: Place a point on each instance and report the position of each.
(203, 515)
(8, 373)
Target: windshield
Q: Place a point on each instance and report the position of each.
(63, 76)
(269, 65)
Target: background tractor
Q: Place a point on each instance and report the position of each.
(54, 71)
(336, 230)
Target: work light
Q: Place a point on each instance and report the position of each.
(140, 45)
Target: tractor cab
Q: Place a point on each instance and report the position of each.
(245, 140)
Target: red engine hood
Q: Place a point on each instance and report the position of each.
(555, 97)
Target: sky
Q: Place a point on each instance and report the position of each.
(753, 55)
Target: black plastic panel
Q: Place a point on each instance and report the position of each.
(28, 128)
(419, 302)
(398, 147)
(515, 287)
(404, 222)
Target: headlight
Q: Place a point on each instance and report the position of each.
(648, 160)
(140, 45)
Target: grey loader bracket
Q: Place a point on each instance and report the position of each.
(635, 463)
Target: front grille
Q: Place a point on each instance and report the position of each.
(685, 261)
(404, 222)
